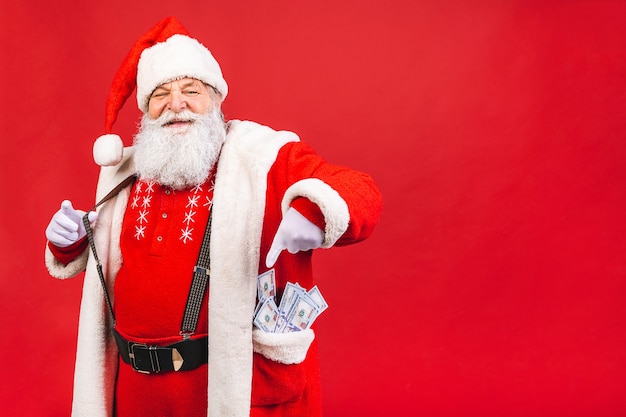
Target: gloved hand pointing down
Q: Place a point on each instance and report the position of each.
(295, 233)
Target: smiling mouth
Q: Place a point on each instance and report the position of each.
(177, 123)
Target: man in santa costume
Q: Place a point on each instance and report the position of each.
(258, 191)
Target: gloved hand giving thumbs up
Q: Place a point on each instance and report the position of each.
(66, 226)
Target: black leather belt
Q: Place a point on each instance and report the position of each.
(181, 356)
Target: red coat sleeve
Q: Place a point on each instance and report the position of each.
(68, 254)
(298, 161)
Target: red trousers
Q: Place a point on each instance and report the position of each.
(168, 394)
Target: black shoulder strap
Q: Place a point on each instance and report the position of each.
(201, 275)
(115, 191)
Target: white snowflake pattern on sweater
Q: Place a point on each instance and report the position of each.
(142, 203)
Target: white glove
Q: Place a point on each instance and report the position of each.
(295, 233)
(66, 226)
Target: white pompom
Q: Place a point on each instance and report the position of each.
(108, 150)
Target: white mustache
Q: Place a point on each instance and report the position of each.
(169, 117)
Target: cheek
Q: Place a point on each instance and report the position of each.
(199, 107)
(154, 110)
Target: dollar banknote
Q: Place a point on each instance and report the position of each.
(267, 316)
(297, 310)
(266, 285)
(302, 312)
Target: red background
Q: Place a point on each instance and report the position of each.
(494, 284)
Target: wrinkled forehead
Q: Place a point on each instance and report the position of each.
(181, 83)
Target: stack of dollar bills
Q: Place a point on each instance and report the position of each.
(297, 310)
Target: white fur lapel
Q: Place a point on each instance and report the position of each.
(96, 355)
(238, 209)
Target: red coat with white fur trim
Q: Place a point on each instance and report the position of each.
(260, 174)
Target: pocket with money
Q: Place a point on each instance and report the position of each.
(297, 310)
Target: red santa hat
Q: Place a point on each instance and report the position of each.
(163, 54)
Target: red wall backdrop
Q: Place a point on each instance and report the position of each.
(494, 284)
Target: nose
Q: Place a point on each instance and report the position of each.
(177, 101)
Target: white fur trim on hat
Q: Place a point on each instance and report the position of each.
(108, 150)
(178, 57)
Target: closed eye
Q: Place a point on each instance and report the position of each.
(160, 95)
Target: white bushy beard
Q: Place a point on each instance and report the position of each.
(182, 157)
